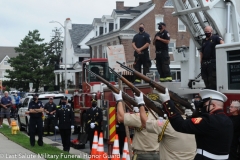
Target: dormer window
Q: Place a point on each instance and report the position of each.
(5, 62)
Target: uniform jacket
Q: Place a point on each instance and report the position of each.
(213, 132)
(64, 117)
(34, 105)
(94, 116)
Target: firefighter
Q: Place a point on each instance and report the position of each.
(35, 111)
(50, 109)
(213, 130)
(161, 41)
(170, 145)
(64, 121)
(208, 58)
(94, 121)
(140, 44)
(144, 144)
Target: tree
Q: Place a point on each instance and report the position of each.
(33, 64)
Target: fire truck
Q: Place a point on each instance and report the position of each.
(222, 15)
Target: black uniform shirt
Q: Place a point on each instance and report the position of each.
(236, 126)
(34, 105)
(208, 47)
(94, 116)
(141, 39)
(159, 44)
(50, 107)
(64, 117)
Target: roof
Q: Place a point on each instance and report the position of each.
(78, 33)
(7, 51)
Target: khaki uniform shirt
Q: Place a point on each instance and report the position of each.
(174, 145)
(142, 140)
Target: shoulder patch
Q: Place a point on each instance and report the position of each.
(160, 123)
(220, 38)
(196, 120)
(168, 34)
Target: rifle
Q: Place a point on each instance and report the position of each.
(125, 96)
(176, 98)
(149, 103)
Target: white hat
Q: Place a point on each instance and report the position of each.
(208, 94)
(235, 104)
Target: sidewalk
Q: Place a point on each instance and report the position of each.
(10, 148)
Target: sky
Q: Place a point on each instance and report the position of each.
(18, 17)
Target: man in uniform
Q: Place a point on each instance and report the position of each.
(170, 145)
(94, 121)
(213, 129)
(140, 44)
(161, 41)
(64, 121)
(35, 111)
(144, 144)
(50, 109)
(208, 58)
(6, 103)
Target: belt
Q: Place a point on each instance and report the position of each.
(212, 156)
(145, 152)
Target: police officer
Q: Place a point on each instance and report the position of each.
(35, 110)
(208, 58)
(161, 41)
(144, 144)
(94, 121)
(64, 121)
(140, 43)
(213, 129)
(170, 145)
(50, 109)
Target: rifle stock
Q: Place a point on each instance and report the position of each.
(149, 103)
(175, 97)
(125, 96)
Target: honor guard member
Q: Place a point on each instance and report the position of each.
(170, 141)
(208, 58)
(64, 121)
(140, 44)
(213, 129)
(35, 111)
(144, 144)
(94, 121)
(50, 109)
(161, 41)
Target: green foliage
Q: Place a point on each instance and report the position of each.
(35, 63)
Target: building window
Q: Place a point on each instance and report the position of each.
(6, 62)
(168, 4)
(181, 26)
(171, 47)
(96, 33)
(116, 26)
(105, 30)
(158, 18)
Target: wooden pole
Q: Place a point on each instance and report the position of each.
(126, 127)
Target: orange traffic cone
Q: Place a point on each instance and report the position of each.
(94, 147)
(100, 148)
(115, 152)
(125, 150)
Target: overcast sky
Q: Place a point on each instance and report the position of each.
(18, 17)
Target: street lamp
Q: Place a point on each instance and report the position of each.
(65, 55)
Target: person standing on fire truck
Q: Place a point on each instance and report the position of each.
(145, 145)
(140, 44)
(161, 41)
(208, 58)
(94, 121)
(213, 129)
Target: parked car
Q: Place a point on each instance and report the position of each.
(23, 118)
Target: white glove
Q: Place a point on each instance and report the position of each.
(164, 97)
(188, 112)
(139, 99)
(92, 125)
(72, 127)
(118, 96)
(136, 109)
(193, 106)
(56, 127)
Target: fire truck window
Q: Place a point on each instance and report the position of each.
(233, 58)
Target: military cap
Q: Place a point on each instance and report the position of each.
(162, 23)
(64, 98)
(208, 94)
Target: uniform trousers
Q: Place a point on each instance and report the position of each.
(162, 63)
(208, 72)
(146, 156)
(91, 135)
(142, 59)
(36, 123)
(65, 136)
(48, 125)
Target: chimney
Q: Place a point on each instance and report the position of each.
(141, 3)
(119, 5)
